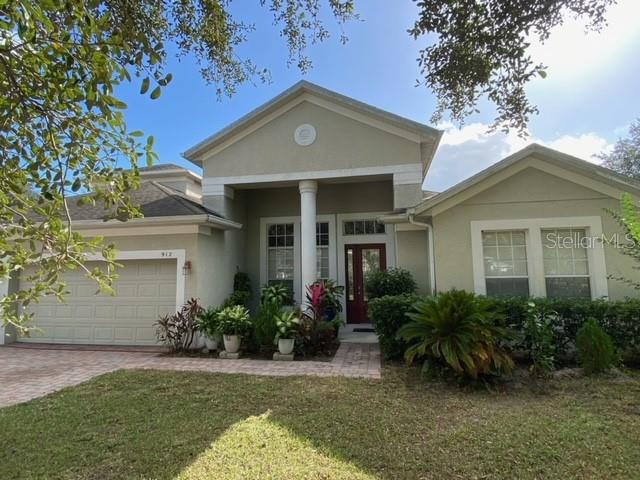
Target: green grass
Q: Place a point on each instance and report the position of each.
(143, 424)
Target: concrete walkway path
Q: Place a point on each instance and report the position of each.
(30, 373)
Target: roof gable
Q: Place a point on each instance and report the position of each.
(581, 172)
(305, 91)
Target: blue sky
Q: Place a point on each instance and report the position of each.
(587, 101)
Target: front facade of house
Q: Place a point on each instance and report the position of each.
(314, 185)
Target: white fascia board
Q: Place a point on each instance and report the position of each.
(212, 185)
(216, 222)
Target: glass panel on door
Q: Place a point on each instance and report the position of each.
(360, 260)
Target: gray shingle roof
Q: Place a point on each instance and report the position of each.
(153, 199)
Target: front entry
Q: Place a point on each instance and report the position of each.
(359, 261)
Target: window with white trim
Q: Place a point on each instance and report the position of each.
(363, 227)
(505, 262)
(566, 265)
(322, 248)
(280, 254)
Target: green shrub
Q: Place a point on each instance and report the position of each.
(458, 331)
(265, 328)
(277, 294)
(207, 321)
(596, 352)
(620, 319)
(540, 339)
(394, 281)
(388, 314)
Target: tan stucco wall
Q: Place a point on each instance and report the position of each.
(341, 143)
(412, 255)
(528, 194)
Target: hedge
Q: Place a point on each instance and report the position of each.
(388, 314)
(620, 319)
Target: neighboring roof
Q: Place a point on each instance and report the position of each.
(560, 159)
(153, 199)
(298, 89)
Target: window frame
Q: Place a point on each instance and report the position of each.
(533, 234)
(297, 256)
(528, 260)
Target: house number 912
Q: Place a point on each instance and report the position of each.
(166, 254)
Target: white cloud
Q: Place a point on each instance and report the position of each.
(466, 151)
(572, 51)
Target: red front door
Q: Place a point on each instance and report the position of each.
(359, 261)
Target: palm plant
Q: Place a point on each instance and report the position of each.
(459, 329)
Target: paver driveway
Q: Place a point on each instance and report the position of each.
(29, 373)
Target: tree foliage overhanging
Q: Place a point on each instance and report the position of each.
(481, 51)
(62, 128)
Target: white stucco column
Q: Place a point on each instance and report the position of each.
(308, 190)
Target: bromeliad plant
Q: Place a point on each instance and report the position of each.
(234, 321)
(323, 299)
(457, 330)
(177, 330)
(287, 325)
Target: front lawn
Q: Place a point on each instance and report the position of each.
(142, 424)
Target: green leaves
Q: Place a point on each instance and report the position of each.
(481, 52)
(457, 330)
(145, 86)
(156, 93)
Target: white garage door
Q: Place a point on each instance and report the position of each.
(145, 290)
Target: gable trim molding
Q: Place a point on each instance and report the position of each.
(213, 185)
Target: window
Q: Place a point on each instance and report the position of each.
(363, 227)
(280, 254)
(505, 262)
(322, 246)
(566, 267)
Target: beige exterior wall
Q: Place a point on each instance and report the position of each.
(412, 255)
(528, 194)
(341, 143)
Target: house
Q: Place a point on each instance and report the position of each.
(315, 185)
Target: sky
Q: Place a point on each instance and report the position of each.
(587, 101)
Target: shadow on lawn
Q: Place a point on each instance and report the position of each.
(144, 424)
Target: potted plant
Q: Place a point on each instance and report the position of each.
(287, 324)
(233, 323)
(332, 300)
(207, 324)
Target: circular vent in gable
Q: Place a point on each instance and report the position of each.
(305, 135)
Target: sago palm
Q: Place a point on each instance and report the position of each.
(458, 328)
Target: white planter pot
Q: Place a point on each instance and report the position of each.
(231, 343)
(212, 342)
(285, 346)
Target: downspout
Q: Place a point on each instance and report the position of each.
(431, 254)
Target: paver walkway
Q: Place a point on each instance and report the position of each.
(31, 373)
